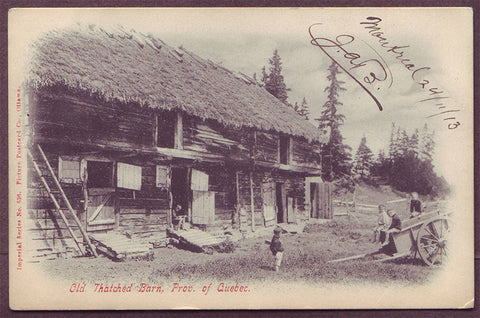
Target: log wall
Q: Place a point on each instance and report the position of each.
(144, 213)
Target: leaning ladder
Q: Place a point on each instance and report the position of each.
(64, 197)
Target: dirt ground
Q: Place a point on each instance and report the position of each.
(306, 257)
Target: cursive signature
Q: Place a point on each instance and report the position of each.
(368, 71)
(417, 73)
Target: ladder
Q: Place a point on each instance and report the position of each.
(61, 210)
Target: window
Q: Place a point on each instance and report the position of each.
(100, 174)
(129, 176)
(162, 177)
(68, 170)
(169, 130)
(285, 149)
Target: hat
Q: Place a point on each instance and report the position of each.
(278, 229)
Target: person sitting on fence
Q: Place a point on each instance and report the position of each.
(415, 206)
(383, 223)
(388, 246)
(276, 247)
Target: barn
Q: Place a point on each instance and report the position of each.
(128, 134)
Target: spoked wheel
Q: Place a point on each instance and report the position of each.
(432, 241)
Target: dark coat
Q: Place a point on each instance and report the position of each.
(415, 206)
(396, 223)
(276, 245)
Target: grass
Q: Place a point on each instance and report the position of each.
(305, 260)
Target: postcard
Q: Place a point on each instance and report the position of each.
(240, 158)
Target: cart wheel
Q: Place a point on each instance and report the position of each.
(432, 240)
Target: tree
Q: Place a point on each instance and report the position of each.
(303, 109)
(409, 167)
(426, 144)
(403, 142)
(274, 81)
(413, 143)
(336, 156)
(363, 161)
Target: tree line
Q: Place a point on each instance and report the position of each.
(406, 166)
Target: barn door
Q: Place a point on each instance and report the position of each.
(268, 193)
(203, 201)
(100, 209)
(203, 207)
(100, 193)
(325, 201)
(314, 199)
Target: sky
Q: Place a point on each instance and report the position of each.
(244, 39)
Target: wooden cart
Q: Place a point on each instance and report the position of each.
(425, 236)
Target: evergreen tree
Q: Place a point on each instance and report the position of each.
(330, 117)
(426, 144)
(403, 143)
(296, 108)
(413, 144)
(363, 161)
(336, 156)
(303, 110)
(391, 146)
(410, 165)
(264, 76)
(274, 81)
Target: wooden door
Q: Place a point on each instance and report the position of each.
(291, 210)
(101, 209)
(314, 199)
(203, 207)
(268, 194)
(325, 201)
(281, 202)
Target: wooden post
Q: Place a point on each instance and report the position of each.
(170, 199)
(155, 130)
(252, 201)
(236, 217)
(179, 131)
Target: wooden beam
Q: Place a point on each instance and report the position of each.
(178, 131)
(236, 217)
(75, 218)
(55, 201)
(252, 201)
(180, 153)
(99, 208)
(155, 130)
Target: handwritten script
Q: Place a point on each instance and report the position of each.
(368, 68)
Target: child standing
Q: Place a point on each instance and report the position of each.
(276, 247)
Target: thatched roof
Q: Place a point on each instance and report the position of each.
(129, 66)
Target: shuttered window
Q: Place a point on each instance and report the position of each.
(68, 170)
(129, 176)
(199, 180)
(285, 149)
(168, 130)
(162, 177)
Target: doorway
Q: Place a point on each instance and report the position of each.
(280, 201)
(180, 190)
(314, 200)
(101, 200)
